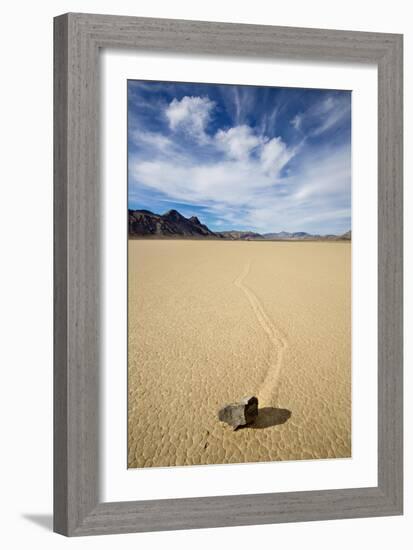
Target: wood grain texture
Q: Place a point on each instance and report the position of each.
(78, 38)
(390, 274)
(60, 277)
(76, 276)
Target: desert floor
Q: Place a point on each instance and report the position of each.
(210, 322)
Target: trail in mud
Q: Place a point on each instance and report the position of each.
(277, 341)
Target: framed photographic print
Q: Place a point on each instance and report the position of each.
(228, 274)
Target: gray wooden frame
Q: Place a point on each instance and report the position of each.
(77, 506)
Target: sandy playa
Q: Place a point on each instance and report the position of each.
(210, 322)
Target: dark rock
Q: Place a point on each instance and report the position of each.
(242, 413)
(144, 223)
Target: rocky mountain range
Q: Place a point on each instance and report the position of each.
(298, 236)
(172, 224)
(242, 235)
(143, 223)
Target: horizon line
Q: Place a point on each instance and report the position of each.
(146, 210)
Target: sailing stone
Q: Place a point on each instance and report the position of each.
(242, 413)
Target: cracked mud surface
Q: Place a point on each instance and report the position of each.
(210, 322)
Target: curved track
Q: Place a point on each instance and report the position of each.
(277, 341)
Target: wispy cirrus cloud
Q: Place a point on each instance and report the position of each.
(323, 115)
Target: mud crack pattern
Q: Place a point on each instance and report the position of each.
(209, 322)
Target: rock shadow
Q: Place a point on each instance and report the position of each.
(270, 416)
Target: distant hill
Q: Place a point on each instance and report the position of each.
(285, 235)
(241, 235)
(345, 236)
(144, 223)
(301, 236)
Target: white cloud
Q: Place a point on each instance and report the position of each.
(228, 182)
(242, 103)
(324, 174)
(331, 111)
(240, 142)
(322, 116)
(268, 121)
(153, 139)
(190, 114)
(296, 121)
(242, 194)
(236, 175)
(275, 155)
(237, 142)
(156, 145)
(240, 165)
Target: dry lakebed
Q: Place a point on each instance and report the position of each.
(210, 322)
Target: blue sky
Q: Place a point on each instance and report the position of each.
(241, 157)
